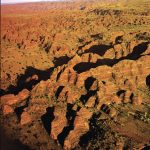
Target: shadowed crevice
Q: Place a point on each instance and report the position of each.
(136, 54)
(61, 60)
(89, 82)
(71, 114)
(120, 92)
(84, 98)
(96, 131)
(97, 36)
(58, 75)
(146, 148)
(19, 110)
(47, 47)
(148, 80)
(83, 66)
(119, 39)
(22, 80)
(60, 88)
(105, 108)
(47, 118)
(137, 51)
(98, 49)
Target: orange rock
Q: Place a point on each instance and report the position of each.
(7, 110)
(91, 102)
(118, 47)
(24, 94)
(137, 100)
(130, 84)
(81, 79)
(93, 57)
(9, 99)
(63, 75)
(12, 100)
(147, 50)
(81, 126)
(86, 57)
(118, 51)
(94, 86)
(25, 118)
(28, 79)
(127, 95)
(110, 53)
(119, 145)
(59, 122)
(72, 77)
(97, 73)
(122, 95)
(113, 112)
(73, 96)
(73, 138)
(115, 35)
(132, 45)
(116, 99)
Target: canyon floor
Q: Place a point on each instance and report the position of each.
(75, 75)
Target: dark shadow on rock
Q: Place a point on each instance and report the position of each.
(119, 39)
(21, 80)
(88, 82)
(61, 60)
(30, 71)
(98, 49)
(137, 51)
(19, 110)
(58, 75)
(2, 92)
(71, 114)
(60, 88)
(84, 66)
(84, 98)
(105, 108)
(146, 148)
(148, 80)
(136, 54)
(143, 36)
(97, 36)
(96, 132)
(47, 118)
(120, 92)
(47, 47)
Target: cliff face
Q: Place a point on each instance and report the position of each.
(71, 75)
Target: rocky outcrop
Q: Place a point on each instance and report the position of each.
(59, 122)
(97, 77)
(7, 110)
(81, 126)
(25, 118)
(15, 100)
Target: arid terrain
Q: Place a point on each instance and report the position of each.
(75, 75)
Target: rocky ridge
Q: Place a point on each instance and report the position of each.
(96, 77)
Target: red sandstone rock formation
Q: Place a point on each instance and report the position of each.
(71, 76)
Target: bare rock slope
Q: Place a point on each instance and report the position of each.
(77, 90)
(76, 83)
